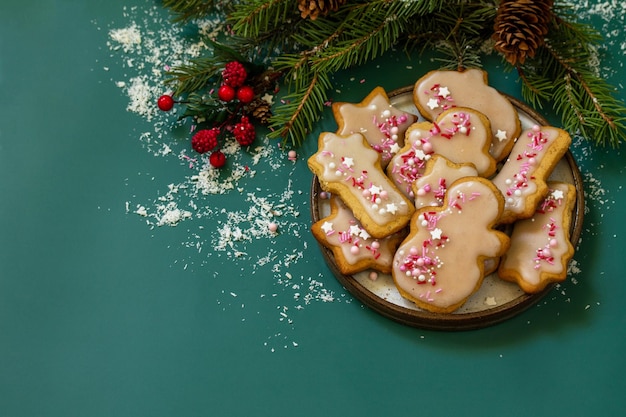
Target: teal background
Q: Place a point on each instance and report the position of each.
(102, 314)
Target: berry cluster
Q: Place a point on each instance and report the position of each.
(234, 95)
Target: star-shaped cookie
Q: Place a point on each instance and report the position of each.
(382, 124)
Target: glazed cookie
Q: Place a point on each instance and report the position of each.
(349, 167)
(522, 179)
(375, 118)
(441, 263)
(353, 247)
(440, 90)
(430, 189)
(540, 246)
(459, 134)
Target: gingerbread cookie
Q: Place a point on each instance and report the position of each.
(430, 189)
(540, 246)
(349, 167)
(353, 247)
(375, 118)
(441, 263)
(522, 179)
(461, 135)
(441, 90)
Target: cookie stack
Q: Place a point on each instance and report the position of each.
(426, 201)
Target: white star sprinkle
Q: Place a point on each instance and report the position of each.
(420, 154)
(327, 227)
(375, 190)
(501, 135)
(268, 98)
(436, 233)
(394, 148)
(355, 230)
(557, 194)
(432, 104)
(364, 235)
(392, 208)
(444, 92)
(348, 162)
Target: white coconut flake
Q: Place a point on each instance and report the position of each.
(145, 46)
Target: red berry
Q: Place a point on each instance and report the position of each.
(204, 140)
(217, 159)
(226, 93)
(245, 94)
(234, 74)
(165, 102)
(244, 132)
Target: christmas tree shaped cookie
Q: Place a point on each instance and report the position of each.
(540, 246)
(522, 179)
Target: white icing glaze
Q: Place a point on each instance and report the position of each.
(540, 246)
(430, 189)
(382, 125)
(442, 90)
(439, 265)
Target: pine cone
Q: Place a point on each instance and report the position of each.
(520, 28)
(265, 81)
(313, 8)
(260, 110)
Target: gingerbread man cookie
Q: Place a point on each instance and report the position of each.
(441, 263)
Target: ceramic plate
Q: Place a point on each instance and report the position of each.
(495, 301)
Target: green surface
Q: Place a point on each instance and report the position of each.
(104, 314)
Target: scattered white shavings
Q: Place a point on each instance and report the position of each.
(128, 38)
(146, 46)
(169, 214)
(611, 15)
(490, 301)
(142, 97)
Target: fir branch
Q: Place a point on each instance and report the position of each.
(194, 76)
(186, 10)
(536, 88)
(365, 42)
(294, 119)
(252, 18)
(562, 74)
(458, 34)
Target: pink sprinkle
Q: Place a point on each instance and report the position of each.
(362, 81)
(273, 227)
